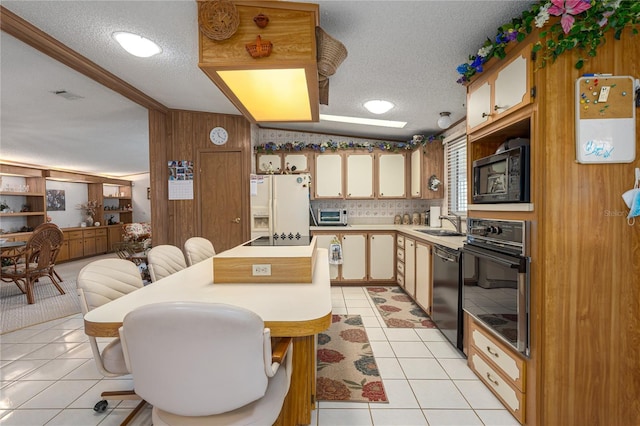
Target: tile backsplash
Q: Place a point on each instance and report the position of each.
(375, 211)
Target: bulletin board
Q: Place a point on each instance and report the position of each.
(605, 119)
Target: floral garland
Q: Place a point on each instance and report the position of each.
(331, 145)
(582, 25)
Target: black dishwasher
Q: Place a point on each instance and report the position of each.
(447, 296)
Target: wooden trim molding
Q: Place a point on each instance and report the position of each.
(14, 25)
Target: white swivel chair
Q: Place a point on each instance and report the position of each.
(212, 364)
(100, 282)
(164, 260)
(197, 249)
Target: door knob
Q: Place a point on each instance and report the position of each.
(236, 220)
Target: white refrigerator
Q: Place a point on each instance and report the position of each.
(280, 206)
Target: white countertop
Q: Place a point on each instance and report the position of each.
(273, 302)
(409, 230)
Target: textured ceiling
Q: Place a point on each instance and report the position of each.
(402, 51)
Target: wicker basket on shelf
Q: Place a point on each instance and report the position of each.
(218, 19)
(260, 48)
(330, 53)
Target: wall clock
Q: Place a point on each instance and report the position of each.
(219, 135)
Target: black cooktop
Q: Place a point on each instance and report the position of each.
(270, 241)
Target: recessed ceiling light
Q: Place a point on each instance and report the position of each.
(366, 121)
(136, 45)
(378, 106)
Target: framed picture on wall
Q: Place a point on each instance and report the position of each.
(55, 200)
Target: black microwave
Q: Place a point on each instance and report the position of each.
(502, 177)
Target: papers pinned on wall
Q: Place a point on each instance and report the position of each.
(605, 119)
(180, 180)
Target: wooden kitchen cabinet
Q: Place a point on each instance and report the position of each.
(400, 269)
(424, 282)
(426, 162)
(299, 160)
(391, 175)
(360, 175)
(501, 92)
(500, 368)
(328, 181)
(266, 163)
(381, 257)
(76, 244)
(354, 258)
(102, 244)
(354, 255)
(410, 267)
(323, 240)
(277, 162)
(416, 173)
(89, 242)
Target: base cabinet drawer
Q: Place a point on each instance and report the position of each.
(400, 279)
(511, 397)
(510, 364)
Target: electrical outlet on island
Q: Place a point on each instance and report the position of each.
(261, 270)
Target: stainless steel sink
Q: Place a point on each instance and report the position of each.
(440, 232)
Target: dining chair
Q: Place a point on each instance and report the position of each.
(98, 283)
(221, 372)
(197, 249)
(164, 260)
(25, 266)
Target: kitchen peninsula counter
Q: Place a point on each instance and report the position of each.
(289, 310)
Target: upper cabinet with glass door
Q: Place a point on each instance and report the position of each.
(491, 97)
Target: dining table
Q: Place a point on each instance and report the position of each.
(12, 245)
(296, 310)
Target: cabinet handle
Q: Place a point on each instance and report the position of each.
(496, 107)
(485, 115)
(495, 354)
(495, 382)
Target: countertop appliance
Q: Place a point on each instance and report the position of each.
(446, 310)
(332, 217)
(502, 177)
(498, 293)
(280, 206)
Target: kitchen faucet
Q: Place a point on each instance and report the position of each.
(456, 220)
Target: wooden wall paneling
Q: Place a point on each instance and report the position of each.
(158, 175)
(188, 138)
(590, 273)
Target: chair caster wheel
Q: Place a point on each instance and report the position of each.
(101, 406)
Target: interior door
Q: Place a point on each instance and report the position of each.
(221, 198)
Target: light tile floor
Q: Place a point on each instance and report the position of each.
(48, 377)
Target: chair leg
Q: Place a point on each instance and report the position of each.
(29, 290)
(57, 275)
(134, 413)
(53, 280)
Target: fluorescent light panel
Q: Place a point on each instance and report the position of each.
(365, 121)
(271, 94)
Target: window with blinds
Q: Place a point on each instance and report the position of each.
(456, 161)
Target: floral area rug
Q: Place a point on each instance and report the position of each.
(347, 370)
(398, 309)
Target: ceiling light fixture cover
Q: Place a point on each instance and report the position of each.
(136, 45)
(445, 120)
(378, 106)
(365, 121)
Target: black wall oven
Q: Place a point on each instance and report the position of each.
(496, 278)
